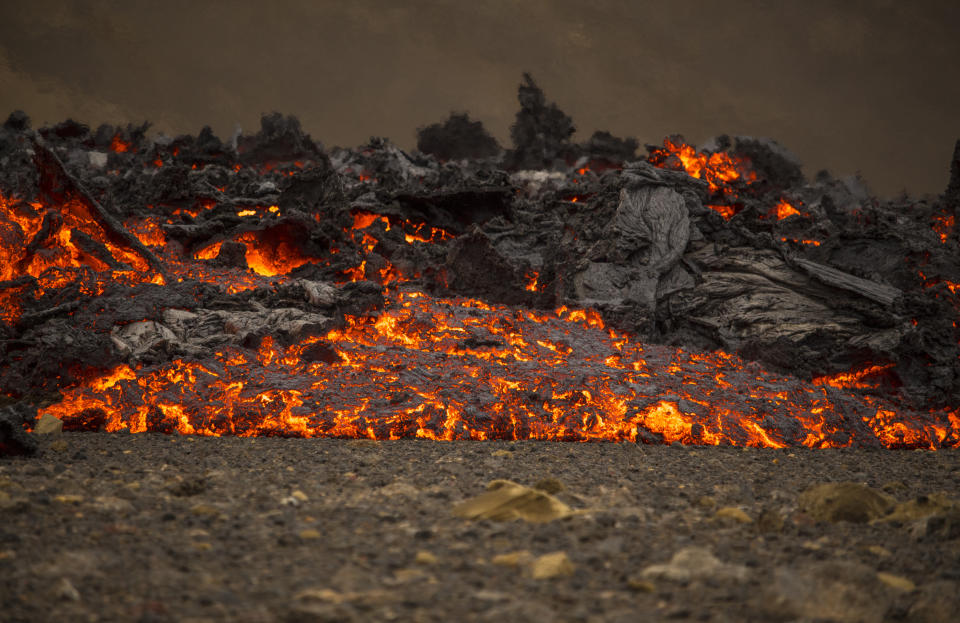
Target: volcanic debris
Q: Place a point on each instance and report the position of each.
(556, 290)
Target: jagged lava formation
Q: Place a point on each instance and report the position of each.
(555, 290)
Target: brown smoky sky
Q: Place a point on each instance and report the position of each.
(868, 86)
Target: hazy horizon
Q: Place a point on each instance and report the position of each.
(864, 86)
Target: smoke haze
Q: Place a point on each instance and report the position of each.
(865, 86)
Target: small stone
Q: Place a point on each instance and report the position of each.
(501, 453)
(66, 591)
(921, 507)
(706, 501)
(299, 495)
(880, 551)
(426, 558)
(68, 498)
(48, 425)
(552, 565)
(641, 586)
(202, 546)
(187, 487)
(732, 514)
(692, 563)
(97, 159)
(844, 501)
(770, 521)
(320, 594)
(505, 501)
(58, 446)
(896, 582)
(310, 534)
(112, 505)
(204, 510)
(404, 576)
(512, 559)
(830, 591)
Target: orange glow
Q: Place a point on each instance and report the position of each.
(271, 256)
(119, 145)
(209, 252)
(815, 243)
(532, 278)
(943, 225)
(857, 378)
(782, 210)
(720, 170)
(410, 371)
(147, 231)
(22, 221)
(413, 232)
(727, 212)
(723, 173)
(433, 368)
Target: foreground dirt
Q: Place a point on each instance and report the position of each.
(104, 527)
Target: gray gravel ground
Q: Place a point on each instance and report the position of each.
(120, 527)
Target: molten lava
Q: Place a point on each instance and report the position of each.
(724, 173)
(943, 224)
(434, 368)
(783, 210)
(462, 369)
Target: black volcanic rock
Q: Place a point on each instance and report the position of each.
(605, 146)
(14, 440)
(457, 138)
(772, 162)
(18, 121)
(541, 133)
(951, 196)
(279, 139)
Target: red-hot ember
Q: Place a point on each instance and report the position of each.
(120, 146)
(723, 172)
(943, 224)
(783, 210)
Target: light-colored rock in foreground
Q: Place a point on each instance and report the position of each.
(505, 501)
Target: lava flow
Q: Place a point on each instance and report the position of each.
(462, 369)
(247, 293)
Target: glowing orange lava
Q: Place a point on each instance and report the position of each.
(783, 210)
(943, 224)
(462, 369)
(119, 145)
(435, 368)
(719, 169)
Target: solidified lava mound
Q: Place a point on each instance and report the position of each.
(266, 286)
